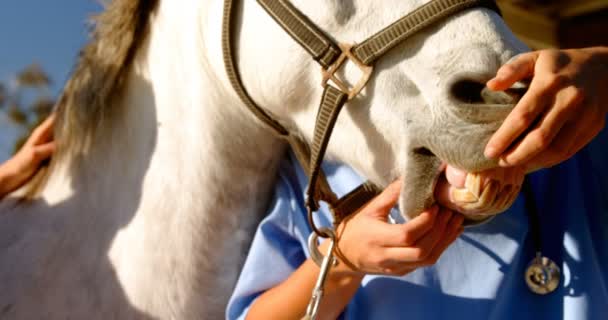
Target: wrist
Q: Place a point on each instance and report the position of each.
(343, 271)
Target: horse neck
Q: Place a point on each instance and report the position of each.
(185, 171)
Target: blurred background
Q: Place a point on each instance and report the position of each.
(40, 40)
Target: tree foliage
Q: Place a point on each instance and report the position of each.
(27, 100)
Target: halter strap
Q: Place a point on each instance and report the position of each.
(312, 39)
(298, 145)
(323, 49)
(331, 57)
(377, 45)
(235, 77)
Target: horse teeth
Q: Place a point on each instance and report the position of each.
(463, 196)
(473, 184)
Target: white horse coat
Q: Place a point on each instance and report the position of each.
(148, 210)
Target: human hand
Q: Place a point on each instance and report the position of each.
(39, 147)
(368, 244)
(479, 195)
(565, 106)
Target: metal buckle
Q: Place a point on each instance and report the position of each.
(329, 74)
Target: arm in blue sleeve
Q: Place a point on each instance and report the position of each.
(277, 248)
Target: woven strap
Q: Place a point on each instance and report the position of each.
(377, 45)
(354, 200)
(306, 33)
(234, 75)
(302, 151)
(331, 103)
(325, 51)
(297, 143)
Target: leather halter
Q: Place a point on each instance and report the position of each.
(331, 57)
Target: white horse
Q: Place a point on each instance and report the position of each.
(162, 173)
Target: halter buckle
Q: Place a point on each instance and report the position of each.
(329, 73)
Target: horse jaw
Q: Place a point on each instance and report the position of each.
(406, 122)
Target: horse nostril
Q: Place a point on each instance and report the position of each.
(468, 91)
(472, 92)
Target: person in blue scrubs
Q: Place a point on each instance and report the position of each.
(480, 272)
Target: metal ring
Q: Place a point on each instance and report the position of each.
(313, 245)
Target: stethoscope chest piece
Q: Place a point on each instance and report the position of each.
(542, 275)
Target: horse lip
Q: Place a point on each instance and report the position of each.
(483, 113)
(489, 105)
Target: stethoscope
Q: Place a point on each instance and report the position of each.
(542, 274)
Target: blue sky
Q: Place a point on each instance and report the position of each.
(49, 32)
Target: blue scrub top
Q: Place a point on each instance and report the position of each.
(480, 276)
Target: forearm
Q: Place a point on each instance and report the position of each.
(289, 299)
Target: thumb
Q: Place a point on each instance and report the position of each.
(518, 68)
(382, 204)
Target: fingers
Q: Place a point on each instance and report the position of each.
(541, 137)
(453, 231)
(381, 205)
(424, 246)
(428, 250)
(43, 133)
(520, 67)
(557, 116)
(43, 151)
(525, 113)
(569, 140)
(409, 233)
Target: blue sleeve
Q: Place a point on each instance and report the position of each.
(276, 250)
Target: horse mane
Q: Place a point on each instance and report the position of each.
(86, 104)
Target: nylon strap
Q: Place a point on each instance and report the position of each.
(234, 75)
(331, 103)
(302, 151)
(354, 200)
(377, 45)
(306, 33)
(325, 51)
(297, 143)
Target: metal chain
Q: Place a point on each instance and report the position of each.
(328, 261)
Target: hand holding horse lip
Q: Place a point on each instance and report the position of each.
(565, 95)
(368, 244)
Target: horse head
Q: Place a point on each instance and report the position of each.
(425, 103)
